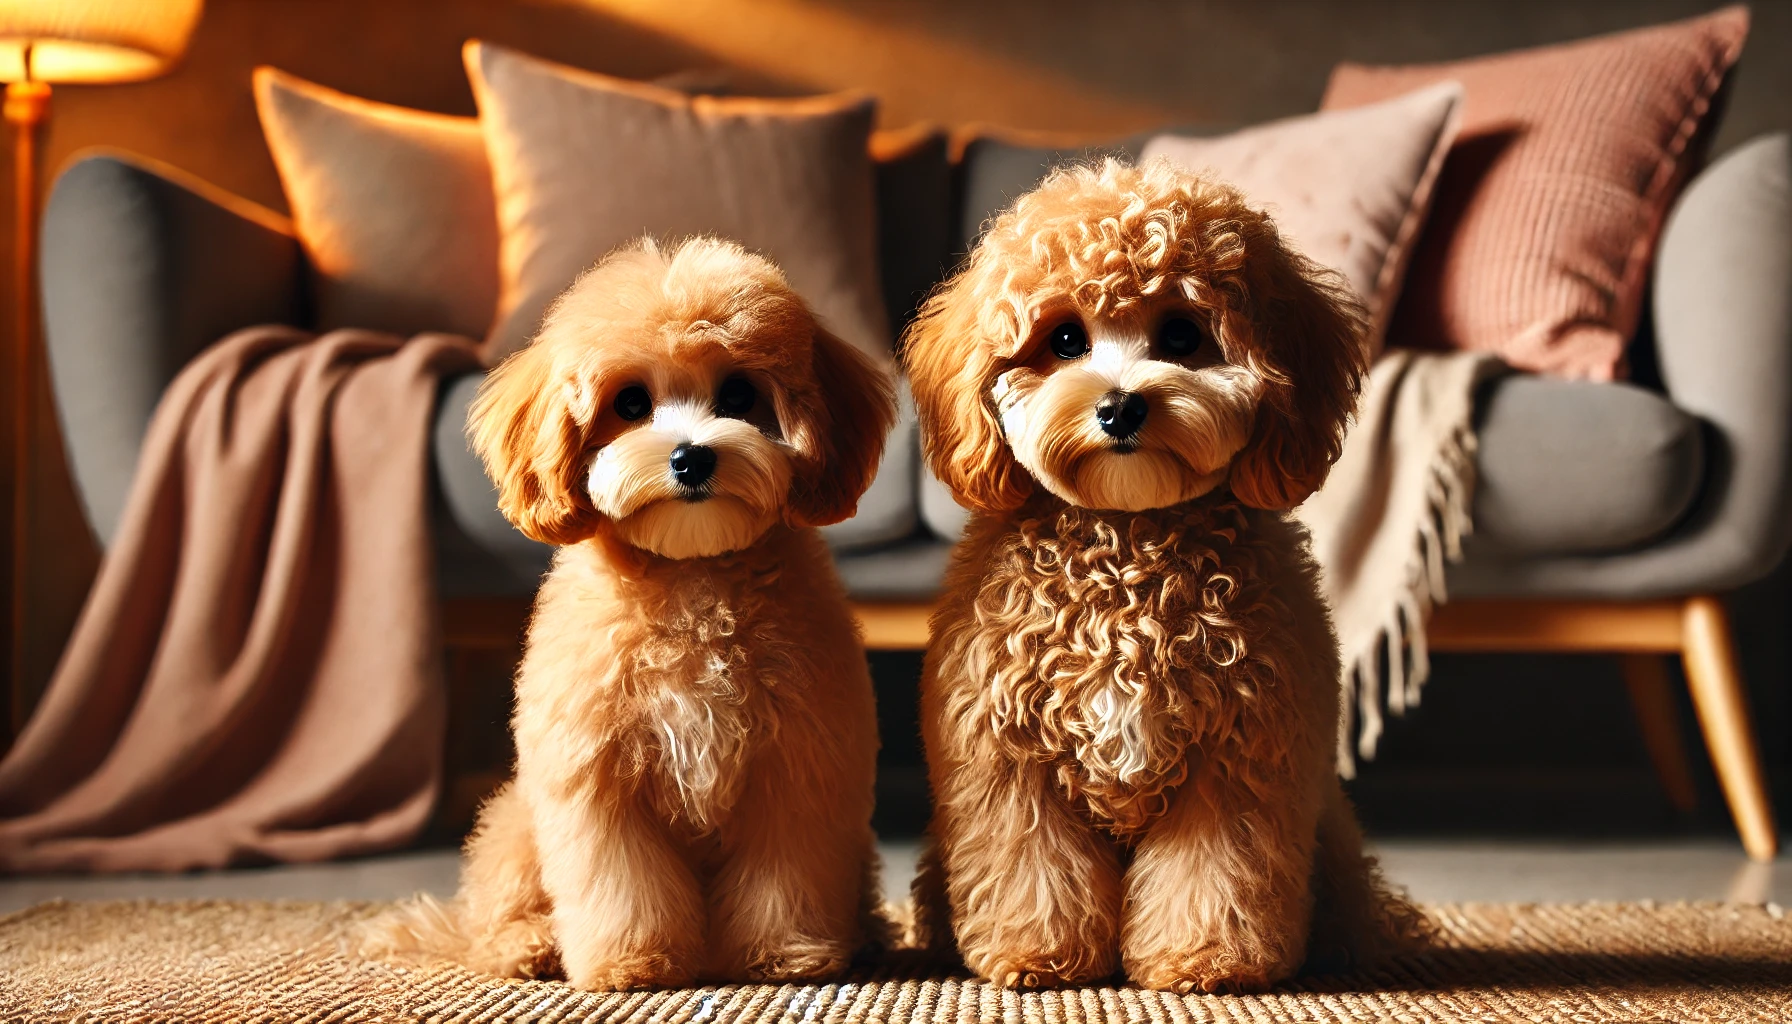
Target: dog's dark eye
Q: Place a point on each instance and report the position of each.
(736, 397)
(633, 402)
(1068, 340)
(1179, 337)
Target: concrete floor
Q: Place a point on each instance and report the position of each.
(1432, 871)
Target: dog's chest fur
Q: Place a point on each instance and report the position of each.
(1108, 640)
(702, 696)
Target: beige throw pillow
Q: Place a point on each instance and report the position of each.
(393, 206)
(584, 162)
(1351, 188)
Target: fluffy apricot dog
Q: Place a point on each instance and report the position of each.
(1131, 697)
(695, 729)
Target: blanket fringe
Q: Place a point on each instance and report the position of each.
(1399, 642)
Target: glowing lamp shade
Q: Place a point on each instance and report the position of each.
(92, 40)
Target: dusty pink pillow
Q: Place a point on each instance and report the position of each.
(1349, 188)
(1549, 206)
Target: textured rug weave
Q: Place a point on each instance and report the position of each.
(226, 961)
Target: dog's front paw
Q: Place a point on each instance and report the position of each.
(1043, 969)
(641, 970)
(1209, 969)
(801, 961)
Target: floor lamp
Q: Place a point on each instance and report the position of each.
(45, 41)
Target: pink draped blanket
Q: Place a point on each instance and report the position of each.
(256, 674)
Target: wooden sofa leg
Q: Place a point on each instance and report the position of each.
(1652, 699)
(1722, 704)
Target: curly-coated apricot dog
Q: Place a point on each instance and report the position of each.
(695, 728)
(1131, 696)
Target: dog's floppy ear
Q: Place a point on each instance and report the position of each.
(839, 427)
(520, 426)
(1307, 348)
(951, 369)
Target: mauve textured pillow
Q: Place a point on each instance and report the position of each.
(393, 206)
(1550, 204)
(1350, 188)
(584, 162)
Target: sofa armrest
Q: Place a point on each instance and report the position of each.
(142, 267)
(1723, 323)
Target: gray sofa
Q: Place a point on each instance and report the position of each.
(1674, 486)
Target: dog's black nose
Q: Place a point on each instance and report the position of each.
(1121, 414)
(692, 465)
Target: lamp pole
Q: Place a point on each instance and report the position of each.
(27, 105)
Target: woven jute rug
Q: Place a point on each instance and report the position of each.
(233, 961)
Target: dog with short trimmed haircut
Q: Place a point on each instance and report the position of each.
(695, 728)
(1131, 695)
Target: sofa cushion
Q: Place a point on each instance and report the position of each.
(1564, 467)
(942, 513)
(583, 163)
(1578, 467)
(887, 510)
(904, 572)
(477, 550)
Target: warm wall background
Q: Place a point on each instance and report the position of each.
(1100, 68)
(1096, 67)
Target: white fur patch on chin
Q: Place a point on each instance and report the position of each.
(1138, 481)
(694, 529)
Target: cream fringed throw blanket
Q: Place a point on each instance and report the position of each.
(1395, 507)
(256, 674)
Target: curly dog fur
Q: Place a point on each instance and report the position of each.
(695, 728)
(1131, 695)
